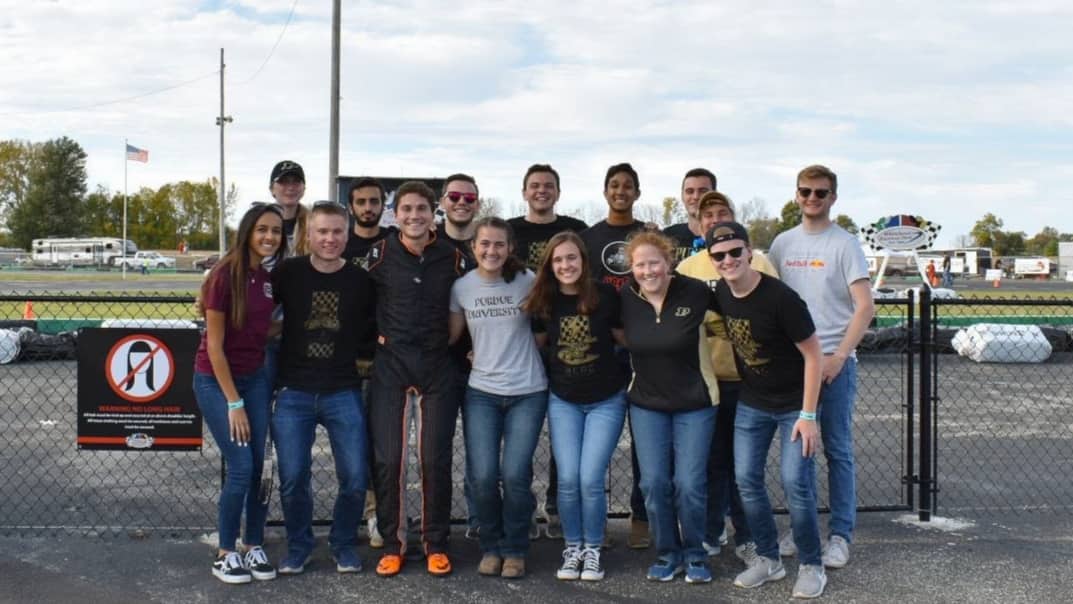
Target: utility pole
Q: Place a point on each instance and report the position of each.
(333, 136)
(221, 121)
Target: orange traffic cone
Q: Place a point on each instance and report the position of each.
(28, 311)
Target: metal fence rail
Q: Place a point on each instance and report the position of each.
(52, 486)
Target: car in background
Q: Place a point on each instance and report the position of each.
(150, 259)
(207, 262)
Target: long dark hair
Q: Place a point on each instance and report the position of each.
(512, 266)
(236, 262)
(546, 285)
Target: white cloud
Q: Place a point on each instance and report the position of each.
(948, 110)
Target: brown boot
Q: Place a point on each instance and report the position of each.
(491, 565)
(638, 538)
(513, 568)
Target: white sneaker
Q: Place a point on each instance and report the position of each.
(591, 569)
(571, 567)
(256, 561)
(746, 552)
(376, 540)
(229, 569)
(787, 547)
(723, 536)
(762, 570)
(711, 550)
(811, 579)
(836, 552)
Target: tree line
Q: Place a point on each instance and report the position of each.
(44, 193)
(988, 232)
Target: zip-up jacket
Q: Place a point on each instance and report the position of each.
(413, 292)
(672, 369)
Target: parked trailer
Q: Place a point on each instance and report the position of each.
(80, 251)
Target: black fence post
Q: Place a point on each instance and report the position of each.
(909, 477)
(925, 474)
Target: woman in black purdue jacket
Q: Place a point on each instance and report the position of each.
(672, 397)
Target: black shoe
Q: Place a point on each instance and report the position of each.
(228, 568)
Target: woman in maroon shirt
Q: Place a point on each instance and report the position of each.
(232, 389)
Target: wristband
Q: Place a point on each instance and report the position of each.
(808, 415)
(236, 404)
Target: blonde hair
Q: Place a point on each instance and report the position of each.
(657, 240)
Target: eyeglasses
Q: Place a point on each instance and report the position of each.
(804, 192)
(455, 196)
(734, 253)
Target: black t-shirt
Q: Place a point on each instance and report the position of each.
(671, 364)
(531, 237)
(606, 246)
(685, 242)
(463, 245)
(582, 366)
(328, 322)
(763, 328)
(358, 247)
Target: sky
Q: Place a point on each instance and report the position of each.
(946, 110)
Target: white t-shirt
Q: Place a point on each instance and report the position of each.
(505, 357)
(820, 267)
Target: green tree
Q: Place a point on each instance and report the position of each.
(847, 223)
(1043, 243)
(16, 158)
(103, 215)
(790, 217)
(983, 232)
(55, 194)
(1008, 243)
(762, 232)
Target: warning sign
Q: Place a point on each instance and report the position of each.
(135, 389)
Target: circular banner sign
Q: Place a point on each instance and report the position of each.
(901, 233)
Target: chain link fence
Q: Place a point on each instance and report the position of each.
(1003, 440)
(1001, 429)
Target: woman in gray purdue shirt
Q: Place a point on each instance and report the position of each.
(506, 396)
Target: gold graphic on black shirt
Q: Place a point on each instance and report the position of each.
(536, 251)
(322, 324)
(741, 336)
(575, 338)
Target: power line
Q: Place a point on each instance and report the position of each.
(113, 101)
(279, 39)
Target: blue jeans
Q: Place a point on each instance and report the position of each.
(835, 413)
(244, 464)
(753, 432)
(294, 429)
(583, 437)
(948, 279)
(723, 495)
(488, 421)
(672, 451)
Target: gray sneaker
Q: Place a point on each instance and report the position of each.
(836, 552)
(761, 571)
(811, 579)
(711, 550)
(787, 547)
(746, 552)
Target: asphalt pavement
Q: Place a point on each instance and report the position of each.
(1023, 558)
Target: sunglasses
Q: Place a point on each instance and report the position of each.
(804, 192)
(455, 196)
(734, 253)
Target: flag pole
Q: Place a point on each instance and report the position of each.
(124, 244)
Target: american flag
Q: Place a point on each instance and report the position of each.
(136, 154)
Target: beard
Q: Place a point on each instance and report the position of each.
(367, 224)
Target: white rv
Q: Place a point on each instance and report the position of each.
(80, 251)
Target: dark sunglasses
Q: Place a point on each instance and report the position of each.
(804, 192)
(734, 253)
(275, 207)
(455, 196)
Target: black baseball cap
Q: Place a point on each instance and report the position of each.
(725, 231)
(287, 168)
